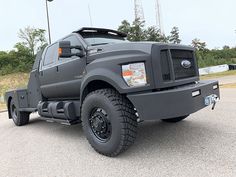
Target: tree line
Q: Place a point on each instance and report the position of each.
(22, 57)
(32, 40)
(138, 32)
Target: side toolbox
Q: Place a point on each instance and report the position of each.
(20, 98)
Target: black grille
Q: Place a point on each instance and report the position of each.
(178, 56)
(165, 66)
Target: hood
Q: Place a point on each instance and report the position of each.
(125, 48)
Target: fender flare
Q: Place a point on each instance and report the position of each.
(104, 75)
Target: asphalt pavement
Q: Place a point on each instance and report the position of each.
(203, 145)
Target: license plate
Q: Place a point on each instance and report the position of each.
(212, 99)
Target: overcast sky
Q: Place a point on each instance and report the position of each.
(213, 21)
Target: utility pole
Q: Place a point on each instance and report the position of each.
(138, 9)
(90, 16)
(49, 32)
(158, 17)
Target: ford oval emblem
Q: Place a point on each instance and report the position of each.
(186, 64)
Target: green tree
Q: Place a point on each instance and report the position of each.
(24, 57)
(226, 47)
(137, 31)
(197, 44)
(174, 36)
(33, 38)
(125, 27)
(21, 58)
(154, 34)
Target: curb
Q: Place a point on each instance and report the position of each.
(2, 111)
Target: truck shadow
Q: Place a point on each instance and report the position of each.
(153, 137)
(73, 131)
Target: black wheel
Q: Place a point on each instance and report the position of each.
(19, 118)
(176, 119)
(109, 122)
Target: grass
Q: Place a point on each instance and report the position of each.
(233, 85)
(10, 82)
(217, 75)
(13, 81)
(222, 74)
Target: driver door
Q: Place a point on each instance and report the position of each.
(69, 71)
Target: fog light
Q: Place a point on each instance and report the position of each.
(215, 87)
(196, 93)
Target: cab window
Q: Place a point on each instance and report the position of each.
(51, 55)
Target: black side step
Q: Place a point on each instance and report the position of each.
(61, 121)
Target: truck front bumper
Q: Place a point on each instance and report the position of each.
(175, 102)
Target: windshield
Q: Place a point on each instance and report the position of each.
(102, 41)
(99, 39)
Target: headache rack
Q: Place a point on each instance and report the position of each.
(105, 31)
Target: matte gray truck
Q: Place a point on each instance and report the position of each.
(97, 77)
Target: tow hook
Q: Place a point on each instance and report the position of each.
(211, 100)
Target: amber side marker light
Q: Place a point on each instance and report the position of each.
(59, 51)
(127, 73)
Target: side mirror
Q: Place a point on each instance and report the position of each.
(65, 50)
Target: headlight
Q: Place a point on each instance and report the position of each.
(134, 74)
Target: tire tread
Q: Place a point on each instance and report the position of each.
(22, 117)
(127, 118)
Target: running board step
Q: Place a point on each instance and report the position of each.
(61, 121)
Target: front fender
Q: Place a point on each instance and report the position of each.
(102, 74)
(108, 69)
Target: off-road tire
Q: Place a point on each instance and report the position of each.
(18, 117)
(121, 115)
(175, 120)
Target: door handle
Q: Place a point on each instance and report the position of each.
(41, 73)
(57, 68)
